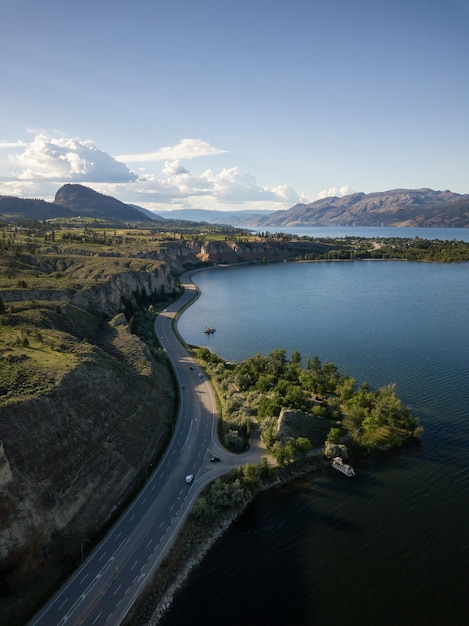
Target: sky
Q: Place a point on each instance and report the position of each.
(233, 104)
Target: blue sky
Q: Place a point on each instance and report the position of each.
(236, 104)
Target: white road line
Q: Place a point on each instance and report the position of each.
(117, 589)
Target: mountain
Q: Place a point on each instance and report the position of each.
(30, 209)
(150, 214)
(73, 201)
(234, 218)
(86, 202)
(398, 207)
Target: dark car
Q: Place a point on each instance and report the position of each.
(215, 459)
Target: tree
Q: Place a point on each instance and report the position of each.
(133, 325)
(334, 435)
(277, 363)
(335, 449)
(303, 446)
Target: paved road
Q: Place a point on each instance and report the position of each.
(107, 584)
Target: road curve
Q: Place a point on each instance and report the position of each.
(105, 587)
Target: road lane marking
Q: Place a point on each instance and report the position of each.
(116, 590)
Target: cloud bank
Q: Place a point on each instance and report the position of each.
(63, 160)
(38, 167)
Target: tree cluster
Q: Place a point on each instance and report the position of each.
(409, 249)
(264, 385)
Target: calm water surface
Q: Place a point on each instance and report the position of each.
(391, 546)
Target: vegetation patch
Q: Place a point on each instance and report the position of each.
(300, 408)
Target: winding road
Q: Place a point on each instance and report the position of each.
(105, 587)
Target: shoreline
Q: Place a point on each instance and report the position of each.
(157, 602)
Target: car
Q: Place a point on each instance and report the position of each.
(200, 376)
(190, 367)
(189, 478)
(215, 459)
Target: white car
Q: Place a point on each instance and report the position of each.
(189, 479)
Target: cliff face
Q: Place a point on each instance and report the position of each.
(297, 424)
(68, 457)
(105, 296)
(254, 251)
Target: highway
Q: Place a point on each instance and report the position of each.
(109, 581)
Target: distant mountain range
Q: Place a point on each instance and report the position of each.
(398, 207)
(233, 218)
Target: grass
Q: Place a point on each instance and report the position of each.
(39, 343)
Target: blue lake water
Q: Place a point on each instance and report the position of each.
(390, 546)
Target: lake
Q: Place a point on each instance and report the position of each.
(391, 545)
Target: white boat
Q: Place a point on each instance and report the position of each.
(344, 468)
(209, 330)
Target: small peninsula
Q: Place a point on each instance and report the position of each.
(302, 408)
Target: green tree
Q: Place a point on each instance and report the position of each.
(334, 435)
(303, 446)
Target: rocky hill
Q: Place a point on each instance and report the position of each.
(84, 201)
(398, 207)
(74, 201)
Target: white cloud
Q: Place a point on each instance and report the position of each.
(68, 160)
(8, 145)
(172, 168)
(47, 162)
(334, 191)
(287, 194)
(209, 190)
(185, 149)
